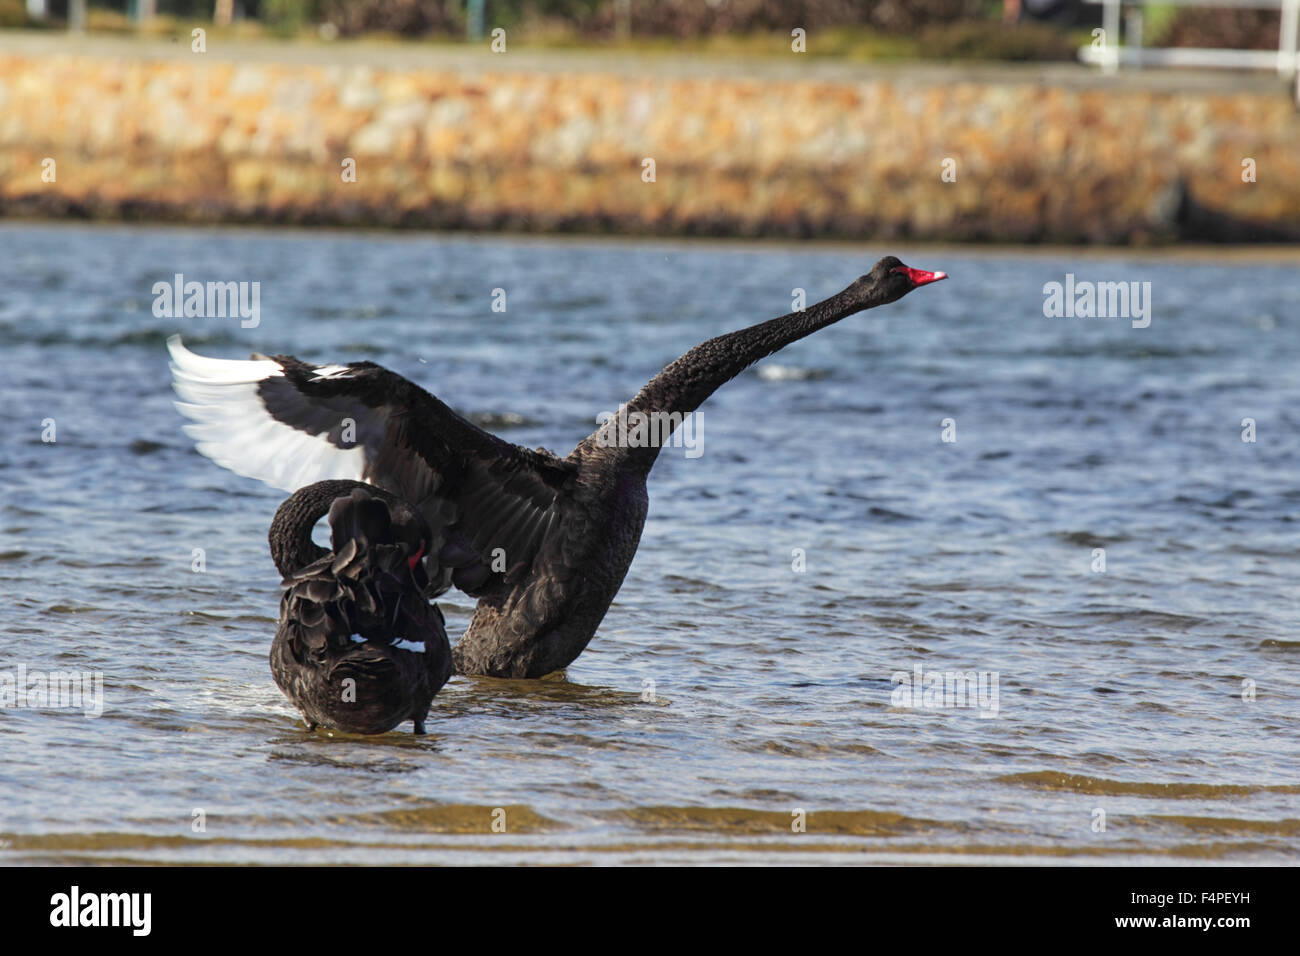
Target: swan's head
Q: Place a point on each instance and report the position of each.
(890, 280)
(411, 535)
(386, 522)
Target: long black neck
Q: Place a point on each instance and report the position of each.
(290, 536)
(684, 385)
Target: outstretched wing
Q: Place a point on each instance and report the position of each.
(290, 424)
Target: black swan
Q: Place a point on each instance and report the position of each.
(543, 542)
(359, 647)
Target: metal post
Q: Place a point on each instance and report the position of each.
(474, 19)
(1110, 23)
(1134, 21)
(622, 19)
(1286, 44)
(77, 16)
(141, 11)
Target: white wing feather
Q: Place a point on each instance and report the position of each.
(232, 427)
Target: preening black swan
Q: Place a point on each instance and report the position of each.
(543, 542)
(359, 647)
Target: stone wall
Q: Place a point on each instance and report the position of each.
(445, 145)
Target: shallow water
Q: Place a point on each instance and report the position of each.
(1118, 691)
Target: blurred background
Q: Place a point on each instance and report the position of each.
(869, 29)
(971, 120)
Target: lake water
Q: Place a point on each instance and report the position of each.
(1157, 697)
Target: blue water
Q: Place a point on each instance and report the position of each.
(1124, 695)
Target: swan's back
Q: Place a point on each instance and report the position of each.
(359, 648)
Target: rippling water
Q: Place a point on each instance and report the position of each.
(1118, 691)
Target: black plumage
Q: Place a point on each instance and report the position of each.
(359, 647)
(542, 542)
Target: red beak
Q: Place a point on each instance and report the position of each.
(920, 276)
(413, 561)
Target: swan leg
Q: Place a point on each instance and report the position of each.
(419, 726)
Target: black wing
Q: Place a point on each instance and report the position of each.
(291, 424)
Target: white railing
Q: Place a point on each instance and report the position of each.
(1110, 54)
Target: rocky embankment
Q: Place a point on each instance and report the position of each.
(430, 139)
